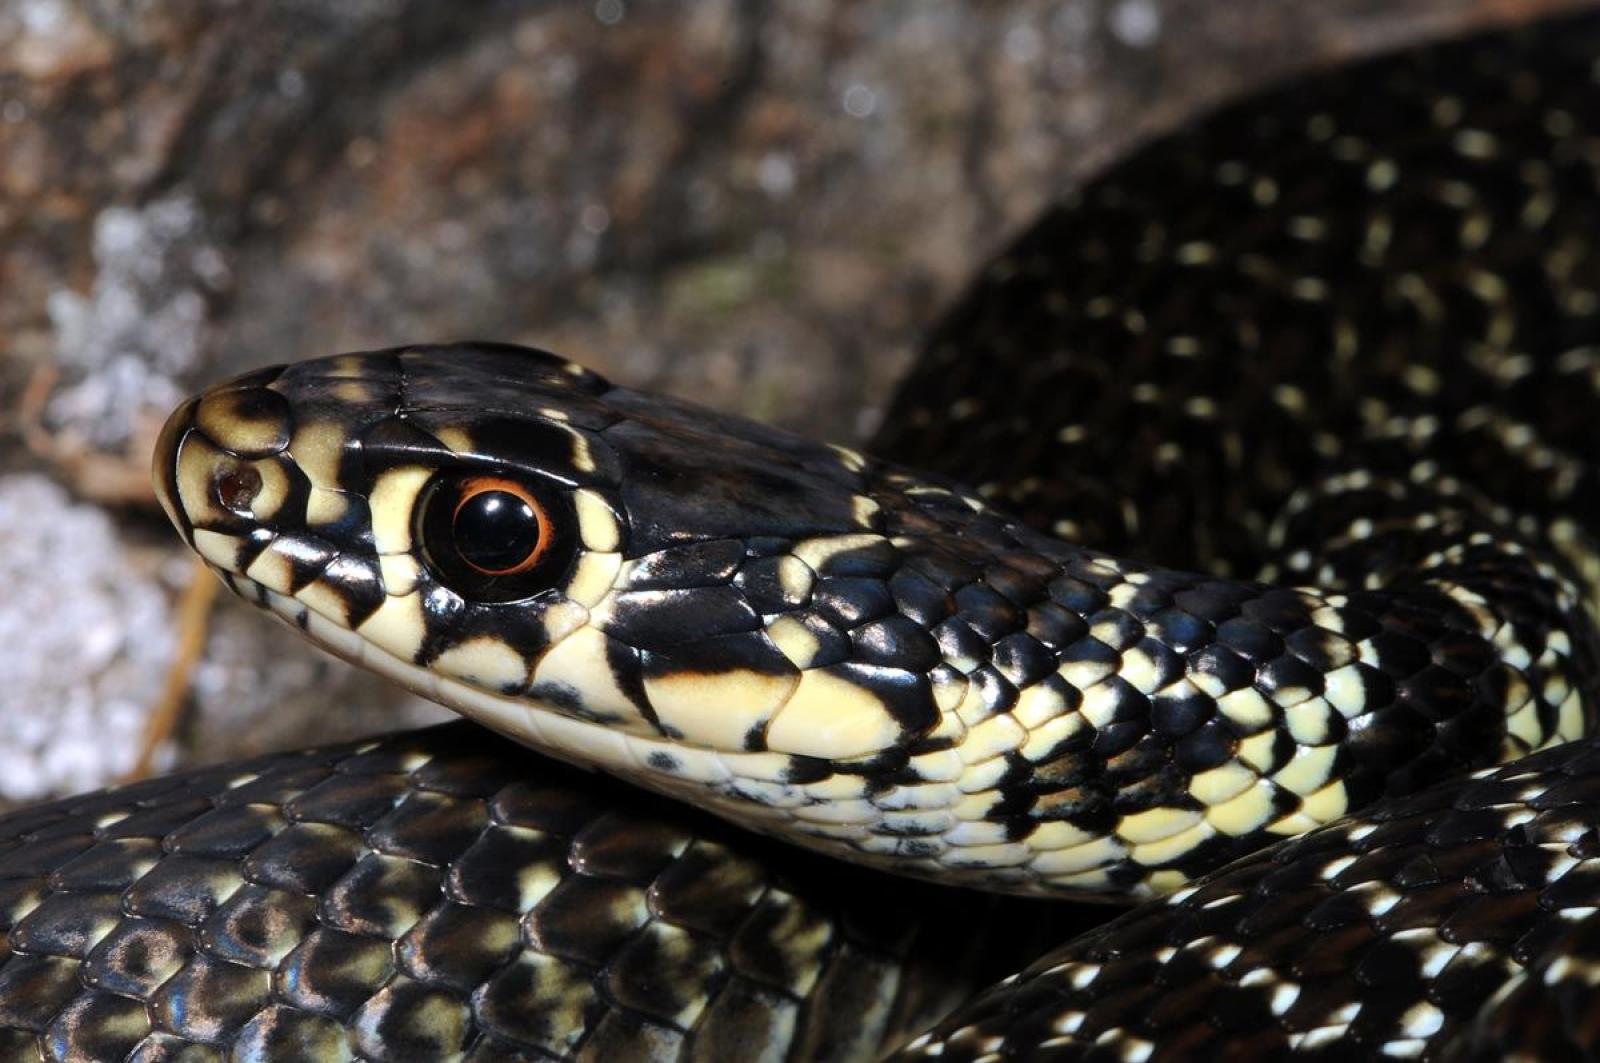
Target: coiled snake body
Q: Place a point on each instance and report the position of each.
(1321, 364)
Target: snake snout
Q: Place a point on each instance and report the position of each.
(164, 466)
(223, 469)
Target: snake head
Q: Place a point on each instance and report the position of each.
(620, 579)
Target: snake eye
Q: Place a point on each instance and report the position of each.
(493, 539)
(500, 529)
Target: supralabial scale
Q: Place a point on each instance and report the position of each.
(1253, 485)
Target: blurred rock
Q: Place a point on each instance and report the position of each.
(141, 327)
(84, 640)
(760, 206)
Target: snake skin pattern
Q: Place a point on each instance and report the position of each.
(447, 895)
(1381, 935)
(1366, 309)
(1327, 359)
(1308, 338)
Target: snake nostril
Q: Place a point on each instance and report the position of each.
(237, 487)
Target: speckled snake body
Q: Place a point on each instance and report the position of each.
(1260, 486)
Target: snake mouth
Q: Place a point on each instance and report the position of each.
(587, 743)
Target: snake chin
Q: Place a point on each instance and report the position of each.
(547, 726)
(739, 786)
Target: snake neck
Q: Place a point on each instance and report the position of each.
(1178, 717)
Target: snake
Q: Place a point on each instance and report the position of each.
(1229, 551)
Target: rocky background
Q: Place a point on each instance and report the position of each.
(760, 206)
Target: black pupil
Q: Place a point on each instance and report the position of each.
(496, 531)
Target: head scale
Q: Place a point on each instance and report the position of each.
(619, 579)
